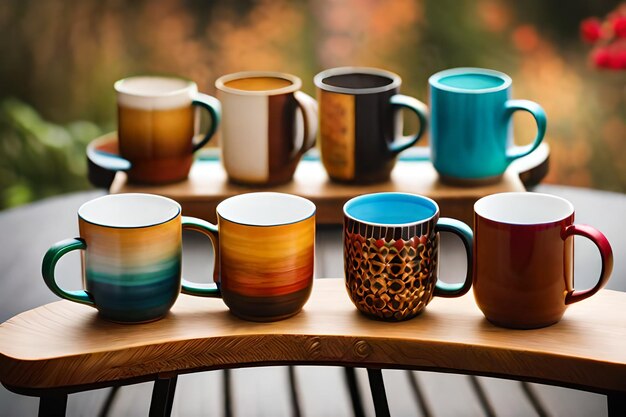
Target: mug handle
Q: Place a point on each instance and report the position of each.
(309, 109)
(213, 106)
(400, 101)
(606, 254)
(210, 230)
(49, 264)
(464, 232)
(510, 107)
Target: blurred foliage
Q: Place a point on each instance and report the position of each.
(63, 56)
(38, 158)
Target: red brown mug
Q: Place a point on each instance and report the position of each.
(524, 258)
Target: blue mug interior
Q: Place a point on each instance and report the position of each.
(390, 208)
(472, 81)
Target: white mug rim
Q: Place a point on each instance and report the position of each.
(91, 218)
(227, 209)
(484, 208)
(320, 78)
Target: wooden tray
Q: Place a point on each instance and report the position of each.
(207, 185)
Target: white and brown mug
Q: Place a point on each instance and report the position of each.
(267, 125)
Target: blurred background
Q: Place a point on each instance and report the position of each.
(60, 58)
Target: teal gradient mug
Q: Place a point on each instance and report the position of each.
(131, 256)
(471, 134)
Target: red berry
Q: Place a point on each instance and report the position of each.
(618, 59)
(619, 26)
(601, 58)
(590, 29)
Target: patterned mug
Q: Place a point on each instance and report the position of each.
(131, 260)
(391, 254)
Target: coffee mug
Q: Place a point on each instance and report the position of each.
(391, 254)
(524, 258)
(131, 259)
(360, 130)
(156, 125)
(264, 244)
(471, 138)
(268, 125)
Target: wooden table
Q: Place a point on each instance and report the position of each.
(208, 185)
(65, 345)
(28, 231)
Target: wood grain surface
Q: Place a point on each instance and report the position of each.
(64, 344)
(207, 185)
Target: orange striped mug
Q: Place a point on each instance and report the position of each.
(264, 244)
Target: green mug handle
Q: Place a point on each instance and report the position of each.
(538, 114)
(49, 264)
(401, 101)
(210, 230)
(213, 106)
(464, 232)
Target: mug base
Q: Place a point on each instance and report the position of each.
(522, 326)
(391, 319)
(469, 182)
(265, 319)
(245, 183)
(117, 321)
(161, 171)
(266, 308)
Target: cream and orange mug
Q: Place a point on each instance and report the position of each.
(131, 256)
(264, 244)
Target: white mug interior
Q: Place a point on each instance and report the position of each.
(523, 208)
(265, 209)
(131, 210)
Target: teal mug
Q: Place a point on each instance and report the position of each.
(131, 257)
(470, 125)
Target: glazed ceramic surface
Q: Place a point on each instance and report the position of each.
(265, 248)
(268, 125)
(470, 127)
(524, 258)
(156, 126)
(391, 254)
(360, 133)
(131, 256)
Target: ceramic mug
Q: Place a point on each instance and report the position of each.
(264, 244)
(268, 125)
(156, 125)
(360, 130)
(471, 138)
(391, 254)
(524, 258)
(131, 259)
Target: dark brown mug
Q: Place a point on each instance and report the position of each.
(359, 122)
(524, 258)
